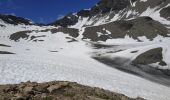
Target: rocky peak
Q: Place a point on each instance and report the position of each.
(112, 10)
(11, 19)
(102, 7)
(69, 19)
(107, 5)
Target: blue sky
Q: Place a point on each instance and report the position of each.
(43, 11)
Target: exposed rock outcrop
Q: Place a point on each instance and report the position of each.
(57, 91)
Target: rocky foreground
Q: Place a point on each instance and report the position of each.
(57, 91)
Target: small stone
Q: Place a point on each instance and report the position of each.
(139, 98)
(44, 95)
(55, 87)
(10, 89)
(42, 88)
(28, 90)
(19, 97)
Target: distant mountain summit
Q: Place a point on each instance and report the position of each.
(103, 7)
(112, 10)
(11, 19)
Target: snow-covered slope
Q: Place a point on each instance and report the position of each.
(57, 59)
(53, 56)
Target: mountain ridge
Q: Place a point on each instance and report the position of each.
(127, 9)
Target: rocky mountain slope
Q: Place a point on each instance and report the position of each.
(89, 46)
(57, 91)
(112, 10)
(11, 19)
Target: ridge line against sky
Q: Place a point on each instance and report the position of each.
(43, 11)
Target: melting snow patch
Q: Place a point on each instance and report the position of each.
(143, 0)
(155, 14)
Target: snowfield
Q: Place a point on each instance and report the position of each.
(57, 59)
(84, 70)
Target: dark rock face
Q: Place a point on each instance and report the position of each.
(35, 37)
(104, 6)
(6, 52)
(68, 20)
(119, 29)
(18, 35)
(4, 45)
(107, 5)
(26, 34)
(71, 31)
(10, 19)
(149, 57)
(57, 91)
(84, 13)
(165, 12)
(2, 25)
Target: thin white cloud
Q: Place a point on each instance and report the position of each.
(13, 14)
(60, 17)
